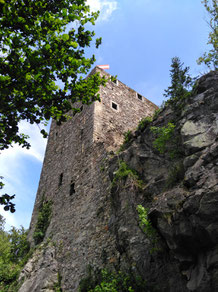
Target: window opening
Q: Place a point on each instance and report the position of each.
(60, 179)
(114, 105)
(72, 188)
(139, 96)
(114, 80)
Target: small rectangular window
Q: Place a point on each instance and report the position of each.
(114, 106)
(139, 96)
(60, 179)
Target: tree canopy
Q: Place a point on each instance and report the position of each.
(42, 42)
(211, 58)
(14, 253)
(180, 81)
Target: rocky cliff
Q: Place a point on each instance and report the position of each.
(180, 188)
(169, 167)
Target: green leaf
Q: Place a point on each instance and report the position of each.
(74, 44)
(65, 37)
(47, 47)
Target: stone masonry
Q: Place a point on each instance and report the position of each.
(73, 179)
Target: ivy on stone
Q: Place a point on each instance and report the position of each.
(43, 221)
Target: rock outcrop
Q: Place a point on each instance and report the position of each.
(181, 194)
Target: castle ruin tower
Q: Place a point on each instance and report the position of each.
(74, 181)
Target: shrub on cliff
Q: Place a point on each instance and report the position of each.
(14, 251)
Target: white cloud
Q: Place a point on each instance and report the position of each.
(37, 149)
(13, 167)
(11, 159)
(106, 8)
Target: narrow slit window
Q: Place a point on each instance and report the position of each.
(60, 179)
(139, 96)
(114, 106)
(72, 188)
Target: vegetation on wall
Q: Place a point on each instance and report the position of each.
(123, 172)
(163, 136)
(147, 227)
(128, 139)
(143, 123)
(43, 221)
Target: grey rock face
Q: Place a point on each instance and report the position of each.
(184, 212)
(41, 271)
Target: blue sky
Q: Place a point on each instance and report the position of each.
(139, 40)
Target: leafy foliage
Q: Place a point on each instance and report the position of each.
(113, 282)
(164, 134)
(144, 123)
(14, 251)
(43, 221)
(41, 42)
(19, 244)
(211, 58)
(128, 138)
(5, 199)
(105, 281)
(180, 83)
(144, 223)
(123, 172)
(147, 227)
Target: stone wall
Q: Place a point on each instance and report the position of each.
(110, 124)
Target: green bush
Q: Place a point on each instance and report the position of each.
(123, 172)
(14, 250)
(113, 282)
(144, 123)
(20, 246)
(156, 113)
(43, 221)
(163, 135)
(105, 281)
